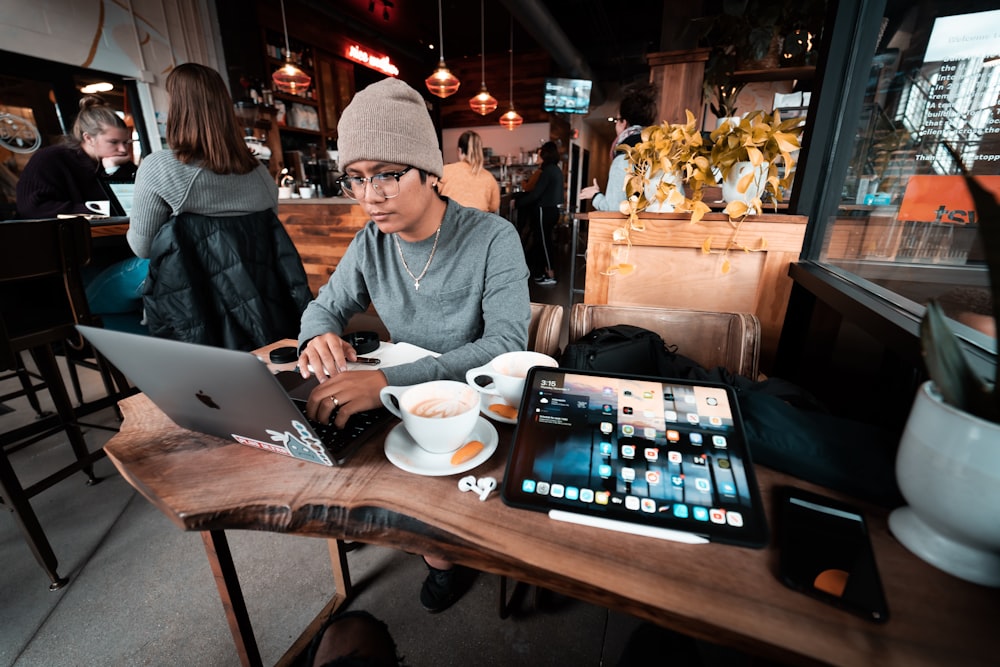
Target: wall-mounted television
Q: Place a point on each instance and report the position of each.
(567, 95)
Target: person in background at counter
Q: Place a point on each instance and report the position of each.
(208, 169)
(540, 206)
(442, 276)
(466, 181)
(636, 111)
(62, 177)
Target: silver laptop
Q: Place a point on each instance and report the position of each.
(232, 394)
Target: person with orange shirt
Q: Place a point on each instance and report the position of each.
(466, 181)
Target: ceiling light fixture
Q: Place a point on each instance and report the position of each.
(511, 119)
(101, 87)
(289, 78)
(483, 103)
(442, 82)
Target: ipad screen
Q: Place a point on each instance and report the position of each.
(666, 453)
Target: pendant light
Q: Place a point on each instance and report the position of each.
(289, 78)
(483, 103)
(442, 82)
(511, 119)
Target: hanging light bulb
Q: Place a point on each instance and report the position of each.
(289, 78)
(511, 119)
(483, 103)
(442, 82)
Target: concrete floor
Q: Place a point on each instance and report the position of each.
(140, 590)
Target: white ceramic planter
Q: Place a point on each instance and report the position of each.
(729, 191)
(948, 469)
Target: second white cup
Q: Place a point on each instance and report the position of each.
(506, 373)
(439, 415)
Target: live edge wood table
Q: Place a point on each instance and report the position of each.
(722, 593)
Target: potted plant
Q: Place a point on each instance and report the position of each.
(747, 34)
(948, 463)
(746, 152)
(673, 163)
(667, 171)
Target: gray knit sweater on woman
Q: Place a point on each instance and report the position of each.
(472, 304)
(165, 187)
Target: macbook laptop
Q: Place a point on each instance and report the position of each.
(233, 394)
(652, 456)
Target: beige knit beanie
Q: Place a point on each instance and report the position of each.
(388, 122)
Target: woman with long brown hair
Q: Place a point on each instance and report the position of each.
(208, 168)
(222, 269)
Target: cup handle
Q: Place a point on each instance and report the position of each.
(472, 376)
(390, 400)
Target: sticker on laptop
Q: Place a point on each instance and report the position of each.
(301, 445)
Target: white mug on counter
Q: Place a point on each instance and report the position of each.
(307, 191)
(100, 207)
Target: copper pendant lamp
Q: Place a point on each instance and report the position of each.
(511, 119)
(483, 103)
(442, 82)
(289, 78)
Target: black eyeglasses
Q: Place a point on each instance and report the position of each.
(385, 185)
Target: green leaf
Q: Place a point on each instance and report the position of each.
(948, 367)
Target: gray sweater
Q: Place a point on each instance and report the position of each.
(472, 304)
(165, 187)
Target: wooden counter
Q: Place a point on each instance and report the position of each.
(672, 271)
(321, 230)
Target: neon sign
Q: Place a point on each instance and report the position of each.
(376, 62)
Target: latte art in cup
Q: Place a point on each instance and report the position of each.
(438, 415)
(438, 407)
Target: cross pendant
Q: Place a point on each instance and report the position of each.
(416, 285)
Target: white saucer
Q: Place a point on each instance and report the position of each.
(485, 401)
(406, 455)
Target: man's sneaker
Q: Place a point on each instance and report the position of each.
(545, 280)
(442, 588)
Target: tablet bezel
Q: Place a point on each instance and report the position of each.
(532, 440)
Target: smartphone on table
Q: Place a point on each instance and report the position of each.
(825, 552)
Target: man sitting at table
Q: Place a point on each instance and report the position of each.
(441, 276)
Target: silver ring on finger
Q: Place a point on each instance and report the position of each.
(336, 403)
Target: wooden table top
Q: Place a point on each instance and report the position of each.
(115, 226)
(722, 593)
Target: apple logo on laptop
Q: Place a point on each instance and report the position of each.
(207, 400)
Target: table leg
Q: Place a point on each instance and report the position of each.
(221, 560)
(342, 591)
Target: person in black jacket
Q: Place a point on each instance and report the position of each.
(540, 206)
(61, 178)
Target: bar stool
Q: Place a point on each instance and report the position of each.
(41, 300)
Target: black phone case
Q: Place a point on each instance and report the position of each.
(826, 553)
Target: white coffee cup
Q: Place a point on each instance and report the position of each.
(439, 415)
(100, 207)
(284, 192)
(506, 373)
(307, 191)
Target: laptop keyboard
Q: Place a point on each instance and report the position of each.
(340, 443)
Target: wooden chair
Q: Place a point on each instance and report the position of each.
(545, 328)
(730, 340)
(41, 300)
